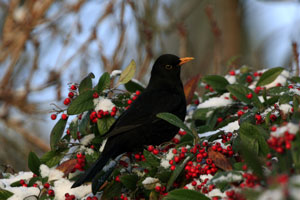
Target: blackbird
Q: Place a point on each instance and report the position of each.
(138, 125)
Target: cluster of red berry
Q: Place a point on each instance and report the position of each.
(133, 98)
(176, 140)
(80, 162)
(232, 195)
(50, 192)
(279, 144)
(161, 190)
(94, 116)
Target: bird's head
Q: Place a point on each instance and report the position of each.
(166, 70)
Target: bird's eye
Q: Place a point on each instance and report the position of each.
(168, 67)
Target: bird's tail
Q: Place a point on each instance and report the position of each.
(93, 170)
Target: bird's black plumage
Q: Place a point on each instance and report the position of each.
(138, 125)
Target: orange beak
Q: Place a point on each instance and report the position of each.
(185, 60)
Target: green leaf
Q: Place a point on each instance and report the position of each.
(86, 83)
(57, 133)
(173, 119)
(16, 184)
(185, 194)
(254, 137)
(295, 79)
(251, 159)
(269, 76)
(34, 163)
(129, 181)
(73, 127)
(5, 194)
(51, 158)
(151, 159)
(127, 73)
(103, 82)
(218, 83)
(132, 86)
(240, 92)
(179, 168)
(81, 103)
(104, 124)
(201, 113)
(112, 190)
(277, 91)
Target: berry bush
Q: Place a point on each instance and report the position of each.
(240, 140)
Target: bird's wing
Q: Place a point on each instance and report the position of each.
(144, 110)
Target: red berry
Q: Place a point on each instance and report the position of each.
(134, 98)
(137, 156)
(71, 94)
(137, 92)
(114, 109)
(129, 102)
(51, 192)
(155, 151)
(53, 116)
(194, 183)
(46, 185)
(249, 96)
(24, 185)
(249, 79)
(117, 179)
(22, 182)
(112, 114)
(67, 101)
(64, 116)
(255, 74)
(240, 113)
(157, 188)
(244, 167)
(150, 148)
(73, 87)
(95, 95)
(173, 167)
(220, 119)
(232, 72)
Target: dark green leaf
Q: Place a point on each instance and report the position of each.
(34, 163)
(133, 86)
(240, 92)
(112, 190)
(73, 128)
(255, 137)
(4, 194)
(151, 159)
(173, 119)
(251, 159)
(269, 76)
(104, 124)
(57, 133)
(129, 181)
(81, 103)
(180, 194)
(163, 176)
(16, 184)
(295, 79)
(277, 91)
(103, 82)
(33, 180)
(51, 158)
(86, 83)
(179, 168)
(201, 113)
(218, 83)
(84, 124)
